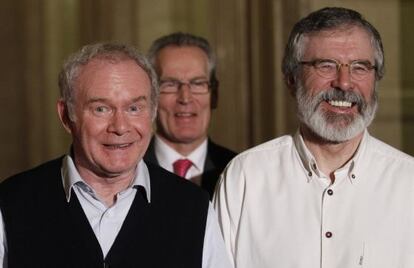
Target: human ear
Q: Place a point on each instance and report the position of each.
(63, 112)
(291, 84)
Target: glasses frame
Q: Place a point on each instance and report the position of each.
(314, 63)
(178, 84)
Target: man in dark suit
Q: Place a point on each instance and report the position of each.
(101, 205)
(186, 68)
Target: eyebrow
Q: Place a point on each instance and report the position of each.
(94, 100)
(175, 78)
(351, 61)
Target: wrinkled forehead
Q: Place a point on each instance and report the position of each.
(346, 29)
(349, 39)
(107, 62)
(100, 74)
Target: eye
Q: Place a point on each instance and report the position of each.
(136, 108)
(168, 83)
(169, 86)
(360, 67)
(199, 86)
(326, 65)
(199, 83)
(101, 110)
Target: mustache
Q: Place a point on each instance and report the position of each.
(334, 94)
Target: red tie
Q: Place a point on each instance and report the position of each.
(181, 167)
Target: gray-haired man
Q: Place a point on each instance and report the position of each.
(101, 205)
(331, 195)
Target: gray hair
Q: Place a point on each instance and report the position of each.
(113, 52)
(327, 19)
(179, 39)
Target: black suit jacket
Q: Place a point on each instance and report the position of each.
(216, 160)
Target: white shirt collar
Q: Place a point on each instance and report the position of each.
(70, 176)
(309, 162)
(166, 155)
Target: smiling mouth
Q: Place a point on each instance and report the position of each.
(118, 146)
(184, 114)
(340, 104)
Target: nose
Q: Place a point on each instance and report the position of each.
(184, 94)
(119, 123)
(343, 79)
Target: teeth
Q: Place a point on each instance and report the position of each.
(340, 103)
(183, 114)
(118, 146)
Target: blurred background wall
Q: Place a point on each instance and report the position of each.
(247, 35)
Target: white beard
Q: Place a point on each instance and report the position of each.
(330, 126)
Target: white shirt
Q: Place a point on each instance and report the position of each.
(166, 157)
(107, 221)
(277, 209)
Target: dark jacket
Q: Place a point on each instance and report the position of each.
(44, 230)
(216, 160)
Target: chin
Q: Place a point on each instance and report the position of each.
(189, 139)
(337, 134)
(117, 171)
(120, 165)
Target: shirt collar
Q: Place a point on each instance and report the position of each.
(311, 167)
(70, 177)
(166, 155)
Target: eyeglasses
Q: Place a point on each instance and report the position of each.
(329, 68)
(196, 86)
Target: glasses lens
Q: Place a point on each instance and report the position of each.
(360, 70)
(169, 86)
(326, 68)
(199, 87)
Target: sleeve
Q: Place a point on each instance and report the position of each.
(227, 200)
(214, 251)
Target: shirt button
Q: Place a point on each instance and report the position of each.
(330, 192)
(328, 234)
(310, 174)
(353, 176)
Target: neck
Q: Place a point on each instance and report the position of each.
(106, 186)
(330, 156)
(183, 148)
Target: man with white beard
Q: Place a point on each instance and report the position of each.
(331, 195)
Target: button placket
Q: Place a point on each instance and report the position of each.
(108, 222)
(327, 230)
